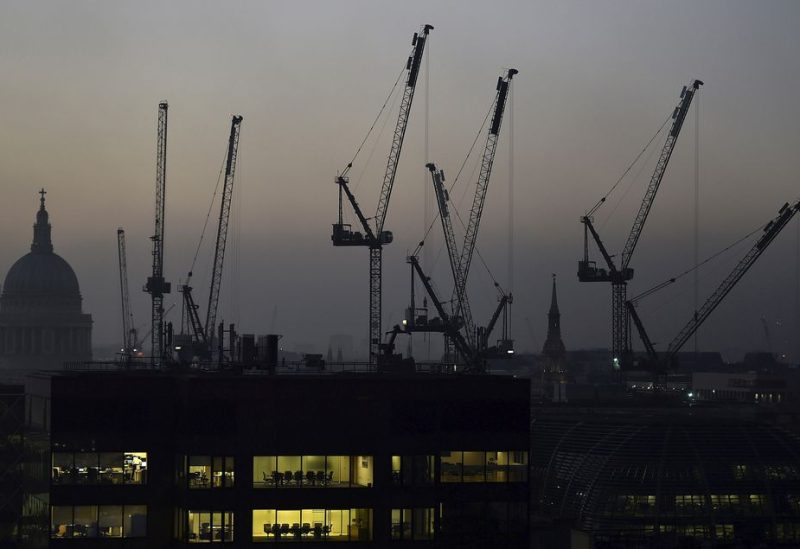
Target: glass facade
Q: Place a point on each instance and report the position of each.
(412, 470)
(211, 472)
(207, 526)
(477, 466)
(98, 521)
(291, 525)
(99, 468)
(312, 471)
(413, 524)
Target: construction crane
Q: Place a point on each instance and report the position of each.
(482, 185)
(128, 327)
(619, 276)
(771, 230)
(463, 315)
(374, 236)
(460, 263)
(205, 333)
(156, 285)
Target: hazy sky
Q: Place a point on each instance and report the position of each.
(82, 80)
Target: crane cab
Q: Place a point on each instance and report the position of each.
(588, 271)
(344, 235)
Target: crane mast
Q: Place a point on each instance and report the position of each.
(156, 285)
(482, 185)
(222, 230)
(128, 330)
(452, 249)
(619, 277)
(375, 239)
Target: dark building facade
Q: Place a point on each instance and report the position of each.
(148, 459)
(42, 324)
(669, 476)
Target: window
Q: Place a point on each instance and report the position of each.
(278, 525)
(412, 524)
(211, 472)
(475, 466)
(92, 521)
(451, 465)
(109, 522)
(99, 468)
(312, 471)
(210, 526)
(412, 470)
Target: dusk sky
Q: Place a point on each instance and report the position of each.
(78, 105)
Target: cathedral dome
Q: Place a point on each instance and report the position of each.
(41, 273)
(41, 280)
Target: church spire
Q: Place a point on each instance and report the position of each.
(41, 229)
(554, 300)
(553, 346)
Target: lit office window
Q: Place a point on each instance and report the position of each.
(211, 472)
(61, 521)
(401, 523)
(210, 526)
(312, 471)
(451, 466)
(496, 466)
(134, 467)
(477, 466)
(311, 525)
(474, 464)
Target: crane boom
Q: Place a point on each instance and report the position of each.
(771, 230)
(128, 341)
(222, 228)
(678, 116)
(452, 250)
(412, 66)
(156, 285)
(194, 317)
(377, 237)
(482, 185)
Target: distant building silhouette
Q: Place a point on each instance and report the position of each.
(554, 349)
(554, 352)
(42, 324)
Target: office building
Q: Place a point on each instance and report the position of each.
(159, 459)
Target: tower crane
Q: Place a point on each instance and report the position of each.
(205, 333)
(771, 230)
(156, 285)
(374, 236)
(460, 263)
(482, 185)
(619, 276)
(128, 327)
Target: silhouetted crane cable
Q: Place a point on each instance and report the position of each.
(669, 281)
(458, 175)
(630, 167)
(357, 183)
(380, 113)
(208, 216)
(630, 185)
